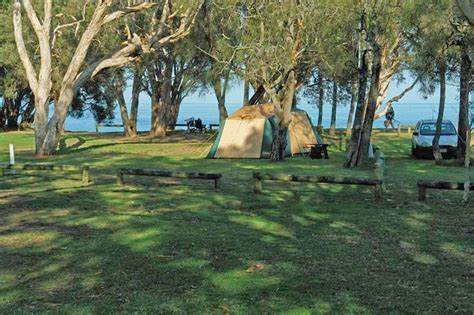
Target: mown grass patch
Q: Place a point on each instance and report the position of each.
(158, 245)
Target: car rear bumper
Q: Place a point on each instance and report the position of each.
(445, 150)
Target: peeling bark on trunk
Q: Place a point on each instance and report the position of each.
(137, 78)
(41, 123)
(129, 121)
(350, 117)
(160, 99)
(174, 110)
(332, 129)
(442, 100)
(129, 131)
(366, 133)
(353, 147)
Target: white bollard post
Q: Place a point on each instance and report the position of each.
(12, 157)
(12, 154)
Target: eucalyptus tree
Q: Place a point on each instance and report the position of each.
(434, 57)
(171, 76)
(14, 91)
(279, 43)
(463, 26)
(118, 83)
(215, 38)
(83, 56)
(382, 50)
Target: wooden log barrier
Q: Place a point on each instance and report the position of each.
(84, 169)
(216, 177)
(260, 177)
(423, 185)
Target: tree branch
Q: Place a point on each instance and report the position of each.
(119, 13)
(396, 99)
(21, 47)
(120, 57)
(31, 14)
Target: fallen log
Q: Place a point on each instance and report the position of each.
(423, 185)
(48, 167)
(364, 181)
(161, 173)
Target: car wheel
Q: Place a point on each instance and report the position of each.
(415, 152)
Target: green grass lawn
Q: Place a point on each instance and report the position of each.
(167, 246)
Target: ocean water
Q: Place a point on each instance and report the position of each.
(405, 114)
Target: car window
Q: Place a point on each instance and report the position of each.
(429, 129)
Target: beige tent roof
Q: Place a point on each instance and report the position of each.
(253, 112)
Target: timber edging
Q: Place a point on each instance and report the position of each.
(364, 181)
(161, 173)
(48, 167)
(423, 185)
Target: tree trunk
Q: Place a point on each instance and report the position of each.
(161, 100)
(283, 103)
(467, 167)
(442, 100)
(366, 132)
(320, 102)
(137, 78)
(220, 92)
(2, 115)
(222, 110)
(279, 143)
(128, 129)
(463, 103)
(353, 147)
(55, 126)
(246, 92)
(332, 129)
(350, 117)
(174, 110)
(41, 123)
(47, 134)
(158, 125)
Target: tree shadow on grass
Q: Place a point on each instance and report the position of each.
(178, 249)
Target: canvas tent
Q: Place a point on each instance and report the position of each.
(247, 133)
